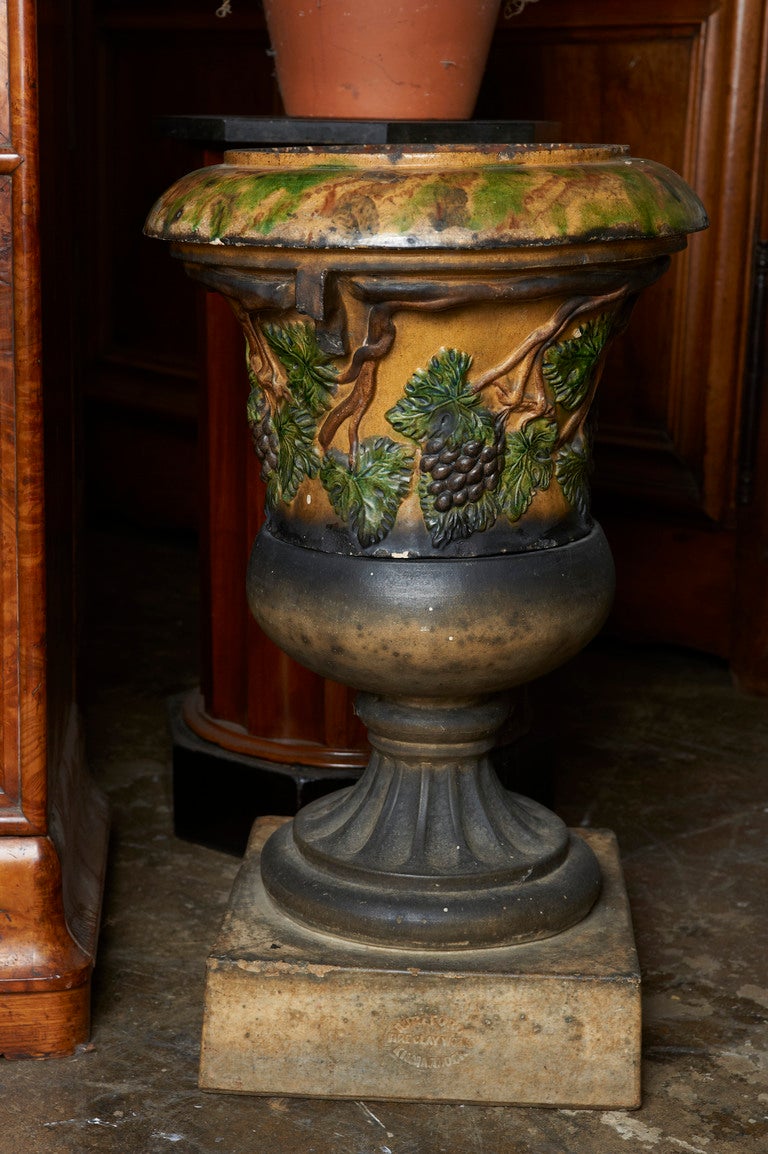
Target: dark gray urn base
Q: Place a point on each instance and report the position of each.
(427, 850)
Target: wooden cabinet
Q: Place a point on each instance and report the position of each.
(52, 822)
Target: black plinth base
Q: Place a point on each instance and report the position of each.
(217, 794)
(271, 131)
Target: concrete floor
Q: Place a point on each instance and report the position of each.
(655, 744)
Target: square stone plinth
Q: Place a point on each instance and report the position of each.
(292, 1012)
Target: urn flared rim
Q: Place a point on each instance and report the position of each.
(438, 156)
(433, 197)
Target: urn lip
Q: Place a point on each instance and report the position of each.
(439, 156)
(438, 197)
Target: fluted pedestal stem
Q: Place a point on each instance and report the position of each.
(428, 850)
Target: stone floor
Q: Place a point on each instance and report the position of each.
(655, 744)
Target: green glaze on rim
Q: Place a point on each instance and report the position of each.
(427, 197)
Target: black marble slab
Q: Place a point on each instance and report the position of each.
(278, 131)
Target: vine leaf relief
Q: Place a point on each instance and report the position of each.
(284, 436)
(439, 399)
(368, 491)
(573, 465)
(569, 367)
(297, 455)
(285, 443)
(528, 465)
(310, 374)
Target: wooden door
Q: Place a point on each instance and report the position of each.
(682, 82)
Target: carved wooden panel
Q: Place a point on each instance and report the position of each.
(9, 784)
(750, 652)
(669, 79)
(680, 81)
(5, 94)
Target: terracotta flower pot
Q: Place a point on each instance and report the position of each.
(405, 60)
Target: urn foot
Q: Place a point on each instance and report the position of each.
(428, 850)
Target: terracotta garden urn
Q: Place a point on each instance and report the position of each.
(424, 331)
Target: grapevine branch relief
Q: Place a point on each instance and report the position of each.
(470, 461)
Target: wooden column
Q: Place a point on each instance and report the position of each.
(254, 699)
(272, 734)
